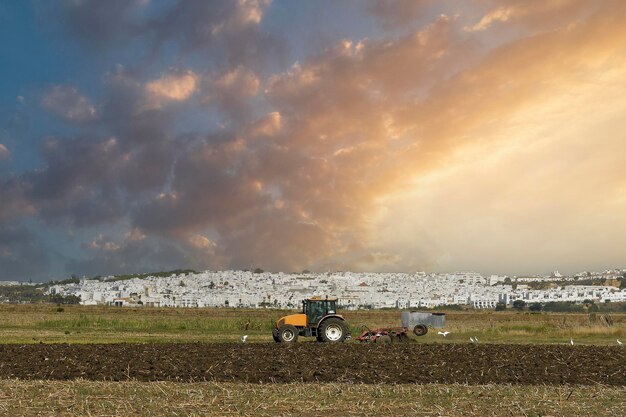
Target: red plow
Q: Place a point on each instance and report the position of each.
(383, 334)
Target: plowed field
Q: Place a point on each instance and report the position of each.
(310, 362)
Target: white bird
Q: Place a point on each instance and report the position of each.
(475, 339)
(472, 340)
(619, 343)
(571, 341)
(444, 334)
(244, 338)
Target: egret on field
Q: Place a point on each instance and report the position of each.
(619, 342)
(444, 334)
(244, 338)
(472, 340)
(571, 341)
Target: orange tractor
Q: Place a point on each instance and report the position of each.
(318, 319)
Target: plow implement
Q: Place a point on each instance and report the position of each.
(412, 321)
(383, 335)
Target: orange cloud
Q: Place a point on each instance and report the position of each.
(173, 87)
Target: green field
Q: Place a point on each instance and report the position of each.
(34, 323)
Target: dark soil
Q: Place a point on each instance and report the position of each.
(349, 362)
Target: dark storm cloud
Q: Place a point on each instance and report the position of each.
(136, 252)
(210, 185)
(105, 257)
(94, 178)
(21, 257)
(14, 201)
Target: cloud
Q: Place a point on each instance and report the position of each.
(351, 131)
(229, 29)
(21, 256)
(105, 256)
(310, 158)
(501, 14)
(102, 244)
(98, 23)
(201, 242)
(69, 104)
(394, 13)
(546, 15)
(174, 87)
(4, 152)
(15, 203)
(267, 126)
(232, 91)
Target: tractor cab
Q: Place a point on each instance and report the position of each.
(317, 308)
(318, 319)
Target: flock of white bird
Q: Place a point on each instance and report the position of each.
(472, 339)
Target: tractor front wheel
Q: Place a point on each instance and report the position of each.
(288, 333)
(333, 330)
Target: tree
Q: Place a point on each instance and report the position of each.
(500, 307)
(68, 299)
(258, 271)
(519, 304)
(535, 307)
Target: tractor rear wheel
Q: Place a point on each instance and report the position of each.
(333, 330)
(288, 333)
(420, 330)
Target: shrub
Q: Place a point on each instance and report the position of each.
(563, 307)
(519, 304)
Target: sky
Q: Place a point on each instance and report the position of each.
(362, 135)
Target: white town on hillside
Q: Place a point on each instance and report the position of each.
(354, 290)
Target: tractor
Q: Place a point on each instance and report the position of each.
(318, 319)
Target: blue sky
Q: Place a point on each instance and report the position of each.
(378, 135)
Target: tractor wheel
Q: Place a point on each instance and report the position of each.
(276, 339)
(333, 330)
(420, 330)
(384, 339)
(288, 333)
